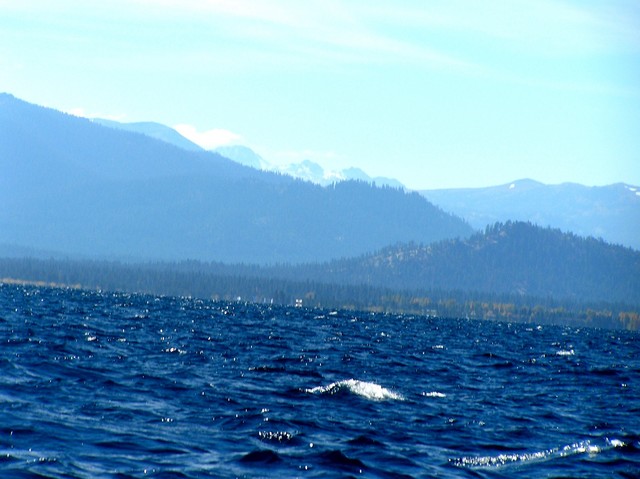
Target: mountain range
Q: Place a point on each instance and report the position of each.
(610, 212)
(94, 189)
(306, 170)
(80, 188)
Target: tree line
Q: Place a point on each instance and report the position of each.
(216, 281)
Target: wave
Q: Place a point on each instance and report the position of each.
(434, 394)
(500, 460)
(261, 456)
(565, 352)
(366, 390)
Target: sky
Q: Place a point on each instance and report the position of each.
(434, 93)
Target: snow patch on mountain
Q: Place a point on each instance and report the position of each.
(305, 170)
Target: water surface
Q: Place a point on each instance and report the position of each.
(111, 385)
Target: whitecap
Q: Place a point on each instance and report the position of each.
(364, 389)
(564, 352)
(434, 394)
(615, 442)
(275, 436)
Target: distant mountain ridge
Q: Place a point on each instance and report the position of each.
(610, 212)
(154, 130)
(243, 155)
(306, 170)
(310, 171)
(76, 187)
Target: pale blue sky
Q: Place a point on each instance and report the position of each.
(437, 94)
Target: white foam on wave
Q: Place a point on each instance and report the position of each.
(583, 447)
(364, 389)
(434, 394)
(564, 352)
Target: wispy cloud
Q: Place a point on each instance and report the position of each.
(311, 31)
(208, 139)
(547, 25)
(410, 30)
(346, 32)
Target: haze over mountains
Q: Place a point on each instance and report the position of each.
(79, 188)
(610, 212)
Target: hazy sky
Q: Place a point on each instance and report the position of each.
(437, 94)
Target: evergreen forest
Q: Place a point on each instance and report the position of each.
(569, 280)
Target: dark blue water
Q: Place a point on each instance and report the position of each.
(96, 385)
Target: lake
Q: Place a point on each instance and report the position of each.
(114, 385)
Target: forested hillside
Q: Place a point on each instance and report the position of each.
(75, 187)
(516, 259)
(507, 258)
